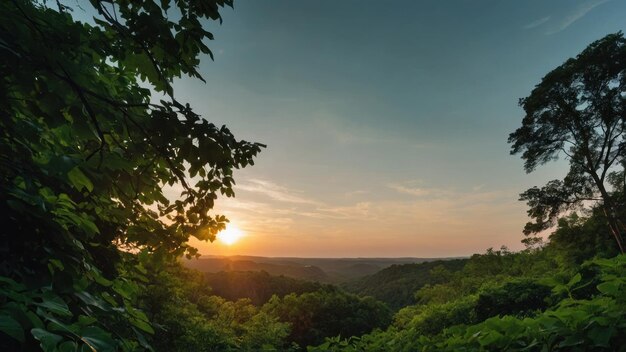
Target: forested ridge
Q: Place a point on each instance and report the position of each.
(258, 286)
(397, 284)
(92, 132)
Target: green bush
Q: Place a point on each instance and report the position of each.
(521, 298)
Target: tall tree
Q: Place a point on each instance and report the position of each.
(86, 150)
(578, 111)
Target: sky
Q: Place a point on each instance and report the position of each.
(386, 124)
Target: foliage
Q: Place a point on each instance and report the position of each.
(490, 269)
(572, 324)
(578, 110)
(189, 317)
(396, 285)
(259, 287)
(519, 297)
(433, 318)
(579, 238)
(329, 312)
(86, 150)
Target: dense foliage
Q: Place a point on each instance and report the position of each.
(569, 321)
(578, 112)
(396, 285)
(190, 317)
(329, 312)
(86, 151)
(259, 287)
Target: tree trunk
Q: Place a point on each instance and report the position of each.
(609, 212)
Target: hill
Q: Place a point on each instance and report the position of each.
(397, 284)
(219, 264)
(259, 286)
(328, 270)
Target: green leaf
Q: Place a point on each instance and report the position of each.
(89, 299)
(11, 327)
(68, 346)
(572, 340)
(573, 281)
(57, 264)
(48, 341)
(601, 336)
(98, 339)
(142, 324)
(54, 304)
(34, 320)
(489, 338)
(609, 288)
(139, 319)
(79, 180)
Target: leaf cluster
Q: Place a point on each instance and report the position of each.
(88, 154)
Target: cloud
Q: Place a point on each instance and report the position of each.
(537, 23)
(242, 205)
(274, 191)
(414, 191)
(473, 195)
(450, 209)
(478, 187)
(411, 212)
(415, 188)
(577, 13)
(360, 210)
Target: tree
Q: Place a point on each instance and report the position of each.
(86, 148)
(327, 312)
(579, 111)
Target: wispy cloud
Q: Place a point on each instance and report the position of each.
(360, 210)
(414, 191)
(411, 211)
(576, 14)
(537, 23)
(478, 187)
(416, 188)
(274, 191)
(476, 194)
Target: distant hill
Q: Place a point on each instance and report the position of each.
(259, 286)
(217, 264)
(329, 270)
(396, 285)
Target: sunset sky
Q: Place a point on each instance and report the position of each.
(386, 124)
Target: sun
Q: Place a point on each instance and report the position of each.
(230, 235)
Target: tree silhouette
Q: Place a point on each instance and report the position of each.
(578, 111)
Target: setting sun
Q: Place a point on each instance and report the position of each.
(230, 235)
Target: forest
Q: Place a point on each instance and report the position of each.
(96, 257)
